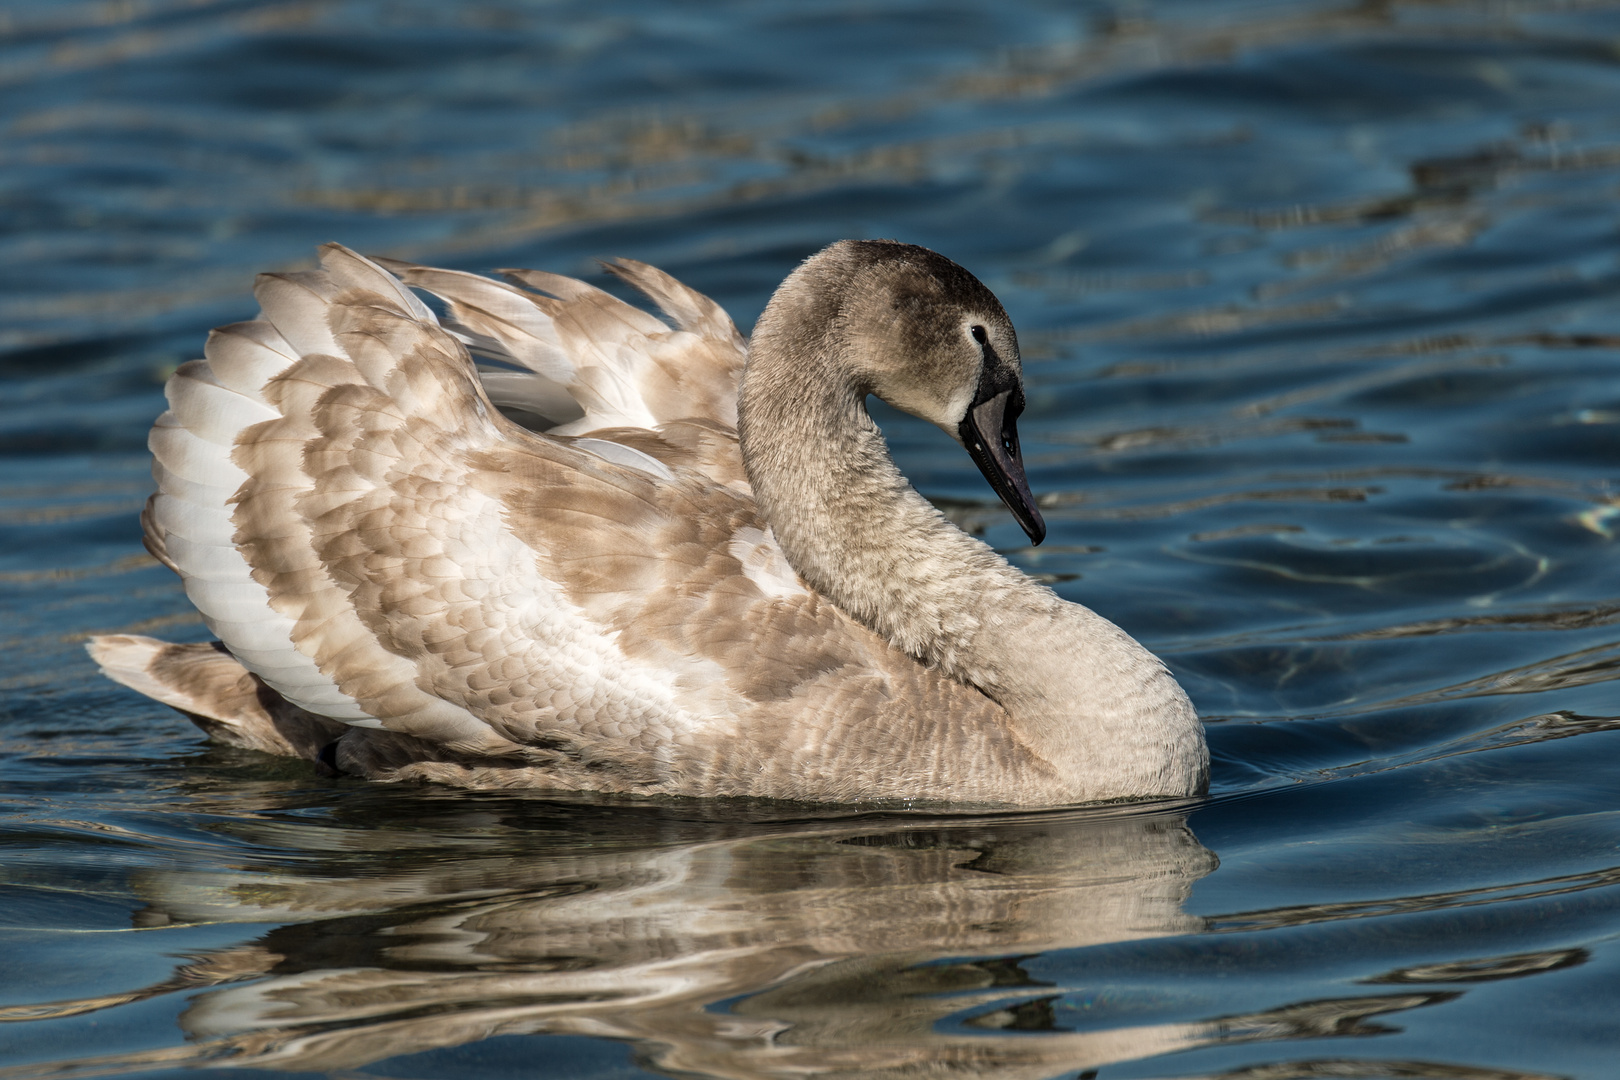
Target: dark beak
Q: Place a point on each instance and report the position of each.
(990, 433)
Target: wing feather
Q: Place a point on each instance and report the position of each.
(194, 460)
(216, 413)
(300, 302)
(621, 366)
(244, 356)
(494, 319)
(690, 309)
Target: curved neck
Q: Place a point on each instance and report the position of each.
(1081, 693)
(846, 518)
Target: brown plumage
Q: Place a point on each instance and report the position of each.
(603, 604)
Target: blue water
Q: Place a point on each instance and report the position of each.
(1320, 310)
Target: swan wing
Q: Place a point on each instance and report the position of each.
(620, 366)
(365, 532)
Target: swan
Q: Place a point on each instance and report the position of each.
(629, 557)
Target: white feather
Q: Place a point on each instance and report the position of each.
(297, 304)
(201, 525)
(628, 456)
(210, 411)
(193, 459)
(245, 356)
(208, 562)
(764, 564)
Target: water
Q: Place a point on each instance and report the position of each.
(1319, 310)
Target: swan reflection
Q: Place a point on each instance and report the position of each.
(871, 945)
(715, 939)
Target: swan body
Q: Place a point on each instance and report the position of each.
(692, 568)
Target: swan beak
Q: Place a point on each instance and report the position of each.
(990, 433)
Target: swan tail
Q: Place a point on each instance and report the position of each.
(218, 694)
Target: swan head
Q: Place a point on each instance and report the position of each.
(908, 326)
(926, 336)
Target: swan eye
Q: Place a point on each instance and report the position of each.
(978, 334)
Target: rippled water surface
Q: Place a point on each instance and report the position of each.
(1320, 307)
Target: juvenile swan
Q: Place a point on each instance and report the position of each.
(640, 576)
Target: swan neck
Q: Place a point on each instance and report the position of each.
(1081, 693)
(846, 518)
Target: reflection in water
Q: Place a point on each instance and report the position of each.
(1350, 1069)
(716, 942)
(869, 946)
(1308, 914)
(1489, 968)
